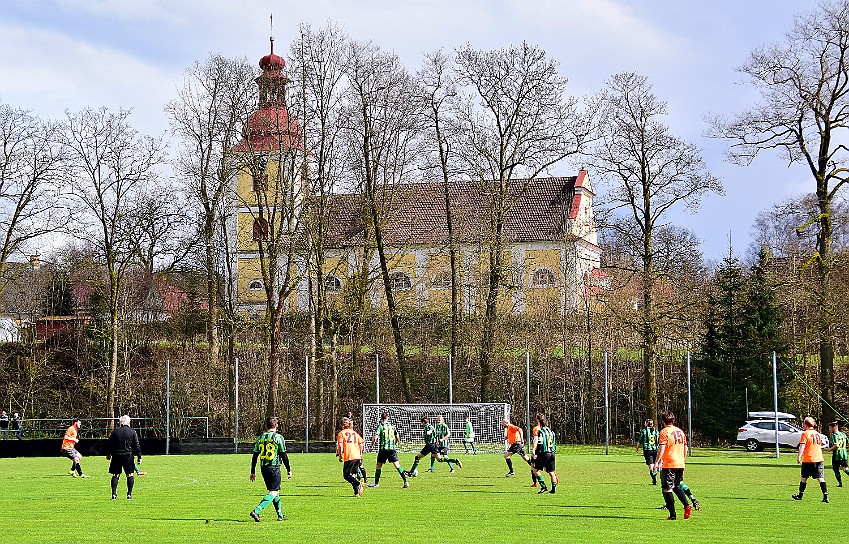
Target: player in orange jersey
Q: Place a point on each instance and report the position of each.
(810, 457)
(349, 451)
(69, 448)
(671, 452)
(515, 444)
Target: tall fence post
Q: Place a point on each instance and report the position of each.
(775, 401)
(689, 407)
(450, 380)
(236, 403)
(377, 376)
(528, 393)
(307, 404)
(606, 408)
(167, 407)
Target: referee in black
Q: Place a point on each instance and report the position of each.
(123, 445)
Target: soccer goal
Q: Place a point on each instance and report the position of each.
(485, 418)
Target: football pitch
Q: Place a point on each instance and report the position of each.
(206, 498)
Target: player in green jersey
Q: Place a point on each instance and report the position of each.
(386, 436)
(469, 437)
(270, 450)
(838, 450)
(431, 448)
(544, 450)
(647, 439)
(442, 435)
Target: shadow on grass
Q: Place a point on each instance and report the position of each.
(205, 520)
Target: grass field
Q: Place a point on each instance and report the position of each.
(600, 499)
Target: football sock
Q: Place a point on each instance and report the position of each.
(802, 486)
(837, 476)
(263, 503)
(276, 502)
(376, 476)
(431, 462)
(401, 472)
(474, 449)
(415, 464)
(114, 484)
(363, 472)
(824, 489)
(130, 481)
(687, 491)
(653, 475)
(533, 478)
(79, 469)
(681, 495)
(540, 480)
(669, 499)
(509, 464)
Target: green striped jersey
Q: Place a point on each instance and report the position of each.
(429, 434)
(442, 431)
(839, 439)
(469, 432)
(387, 435)
(269, 446)
(546, 440)
(648, 438)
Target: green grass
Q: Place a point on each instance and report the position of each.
(600, 499)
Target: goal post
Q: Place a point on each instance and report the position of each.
(485, 418)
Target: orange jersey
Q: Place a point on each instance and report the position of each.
(351, 444)
(535, 430)
(676, 447)
(70, 439)
(812, 440)
(514, 434)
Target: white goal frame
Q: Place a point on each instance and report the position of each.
(486, 421)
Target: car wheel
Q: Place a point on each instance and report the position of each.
(753, 445)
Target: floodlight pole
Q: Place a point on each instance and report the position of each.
(307, 404)
(450, 381)
(167, 406)
(528, 392)
(236, 403)
(606, 408)
(377, 376)
(689, 407)
(775, 401)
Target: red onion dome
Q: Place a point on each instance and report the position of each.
(272, 62)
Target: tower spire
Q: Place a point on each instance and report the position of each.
(271, 38)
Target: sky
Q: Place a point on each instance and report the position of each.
(58, 55)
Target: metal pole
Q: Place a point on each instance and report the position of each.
(377, 375)
(689, 407)
(236, 404)
(606, 409)
(167, 407)
(528, 393)
(775, 400)
(307, 404)
(450, 381)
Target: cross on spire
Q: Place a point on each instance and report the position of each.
(271, 24)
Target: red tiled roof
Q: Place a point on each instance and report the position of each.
(539, 210)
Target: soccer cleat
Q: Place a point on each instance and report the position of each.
(71, 473)
(696, 505)
(430, 470)
(255, 516)
(74, 474)
(451, 471)
(825, 499)
(114, 497)
(534, 484)
(459, 464)
(796, 497)
(670, 518)
(83, 475)
(141, 473)
(373, 485)
(406, 485)
(552, 490)
(509, 474)
(281, 517)
(129, 497)
(688, 510)
(542, 490)
(839, 485)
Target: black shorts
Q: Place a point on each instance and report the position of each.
(650, 455)
(71, 453)
(517, 447)
(837, 463)
(545, 461)
(387, 456)
(271, 476)
(429, 448)
(122, 463)
(671, 477)
(813, 470)
(351, 469)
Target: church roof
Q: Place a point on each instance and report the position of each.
(539, 210)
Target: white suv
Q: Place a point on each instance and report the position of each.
(757, 434)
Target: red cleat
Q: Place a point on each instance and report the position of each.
(687, 511)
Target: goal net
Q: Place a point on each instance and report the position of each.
(485, 418)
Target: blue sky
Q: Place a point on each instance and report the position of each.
(67, 54)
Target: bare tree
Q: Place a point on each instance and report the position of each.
(648, 173)
(112, 166)
(516, 122)
(31, 166)
(214, 102)
(803, 114)
(383, 134)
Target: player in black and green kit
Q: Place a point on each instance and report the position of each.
(543, 457)
(647, 439)
(386, 436)
(431, 447)
(838, 450)
(270, 449)
(469, 437)
(442, 434)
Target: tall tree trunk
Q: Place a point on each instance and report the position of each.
(273, 367)
(824, 314)
(491, 310)
(212, 291)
